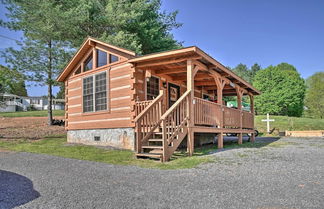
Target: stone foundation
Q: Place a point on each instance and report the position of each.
(116, 137)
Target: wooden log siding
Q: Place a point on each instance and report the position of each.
(207, 113)
(119, 112)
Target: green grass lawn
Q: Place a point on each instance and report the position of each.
(284, 123)
(57, 146)
(41, 113)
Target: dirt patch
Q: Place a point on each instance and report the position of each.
(27, 128)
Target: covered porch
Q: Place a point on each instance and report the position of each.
(192, 87)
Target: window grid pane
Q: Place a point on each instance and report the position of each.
(113, 58)
(88, 63)
(88, 94)
(101, 92)
(101, 58)
(152, 88)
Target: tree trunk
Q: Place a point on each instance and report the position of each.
(49, 81)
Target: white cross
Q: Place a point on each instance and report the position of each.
(268, 120)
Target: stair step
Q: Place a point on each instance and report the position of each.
(151, 155)
(155, 140)
(152, 147)
(156, 151)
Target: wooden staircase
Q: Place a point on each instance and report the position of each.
(159, 135)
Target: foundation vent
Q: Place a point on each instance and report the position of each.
(97, 138)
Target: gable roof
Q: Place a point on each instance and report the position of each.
(86, 45)
(205, 58)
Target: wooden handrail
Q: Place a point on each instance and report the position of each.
(207, 112)
(174, 124)
(148, 120)
(156, 100)
(175, 105)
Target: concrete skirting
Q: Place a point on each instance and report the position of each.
(311, 133)
(116, 137)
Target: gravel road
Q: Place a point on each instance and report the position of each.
(288, 173)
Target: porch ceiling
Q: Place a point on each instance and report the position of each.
(173, 64)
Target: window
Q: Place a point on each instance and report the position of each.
(78, 71)
(95, 93)
(101, 92)
(152, 87)
(101, 58)
(88, 63)
(112, 58)
(35, 101)
(88, 94)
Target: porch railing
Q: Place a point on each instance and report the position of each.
(207, 113)
(232, 117)
(174, 125)
(148, 120)
(141, 105)
(248, 119)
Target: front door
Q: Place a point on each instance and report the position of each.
(173, 93)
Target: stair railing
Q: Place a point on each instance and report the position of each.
(148, 120)
(174, 122)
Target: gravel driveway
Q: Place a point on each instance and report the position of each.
(288, 173)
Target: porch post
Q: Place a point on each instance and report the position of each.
(190, 106)
(251, 103)
(220, 87)
(220, 141)
(239, 93)
(252, 138)
(220, 83)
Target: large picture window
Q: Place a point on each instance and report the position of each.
(95, 93)
(152, 87)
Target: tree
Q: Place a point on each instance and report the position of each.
(254, 69)
(53, 28)
(61, 93)
(138, 25)
(12, 82)
(314, 100)
(44, 49)
(282, 91)
(242, 71)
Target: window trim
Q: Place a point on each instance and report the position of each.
(94, 92)
(145, 84)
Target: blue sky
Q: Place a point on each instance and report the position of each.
(244, 31)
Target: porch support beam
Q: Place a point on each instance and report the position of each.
(190, 107)
(252, 138)
(240, 92)
(166, 61)
(240, 138)
(251, 103)
(220, 140)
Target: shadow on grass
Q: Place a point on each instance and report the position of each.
(229, 143)
(15, 190)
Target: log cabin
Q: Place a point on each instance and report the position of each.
(151, 103)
